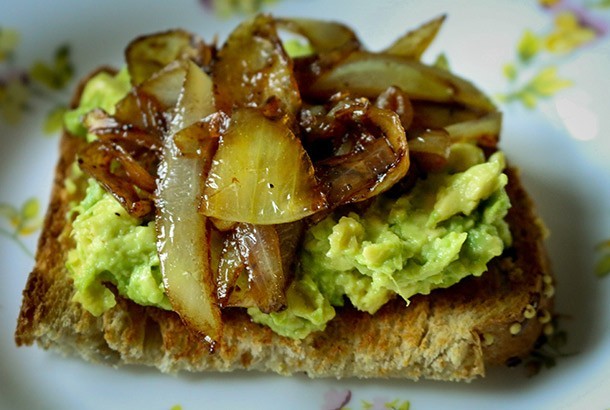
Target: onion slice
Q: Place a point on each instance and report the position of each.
(259, 245)
(97, 158)
(415, 42)
(377, 158)
(148, 54)
(484, 131)
(430, 149)
(251, 272)
(369, 74)
(261, 174)
(323, 36)
(253, 68)
(183, 234)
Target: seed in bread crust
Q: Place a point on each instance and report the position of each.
(515, 328)
(488, 339)
(544, 316)
(529, 312)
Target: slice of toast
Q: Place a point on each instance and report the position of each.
(451, 334)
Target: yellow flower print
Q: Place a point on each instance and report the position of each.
(23, 221)
(14, 95)
(9, 39)
(548, 3)
(568, 34)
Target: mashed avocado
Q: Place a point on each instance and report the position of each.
(110, 245)
(103, 91)
(449, 226)
(113, 247)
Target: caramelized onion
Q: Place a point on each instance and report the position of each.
(415, 42)
(203, 135)
(485, 131)
(231, 265)
(369, 74)
(96, 159)
(183, 233)
(251, 272)
(146, 55)
(368, 149)
(252, 68)
(394, 99)
(430, 149)
(260, 247)
(246, 182)
(435, 115)
(323, 36)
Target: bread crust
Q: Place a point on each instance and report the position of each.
(451, 334)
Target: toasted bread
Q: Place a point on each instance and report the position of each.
(450, 334)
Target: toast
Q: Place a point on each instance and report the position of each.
(450, 334)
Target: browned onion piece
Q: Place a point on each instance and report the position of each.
(148, 54)
(230, 266)
(372, 169)
(435, 115)
(351, 177)
(241, 280)
(389, 124)
(260, 174)
(149, 106)
(106, 127)
(394, 99)
(430, 149)
(369, 74)
(252, 67)
(415, 42)
(260, 247)
(197, 138)
(131, 138)
(183, 234)
(250, 271)
(485, 131)
(290, 235)
(323, 36)
(96, 159)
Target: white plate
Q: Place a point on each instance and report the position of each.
(562, 147)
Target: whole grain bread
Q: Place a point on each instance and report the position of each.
(450, 334)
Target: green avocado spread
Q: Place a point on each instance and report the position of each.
(447, 227)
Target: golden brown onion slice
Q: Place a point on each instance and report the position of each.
(202, 136)
(435, 115)
(415, 42)
(373, 167)
(484, 131)
(323, 36)
(97, 159)
(252, 68)
(394, 99)
(148, 106)
(259, 245)
(251, 272)
(148, 54)
(368, 74)
(230, 266)
(430, 149)
(183, 235)
(260, 174)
